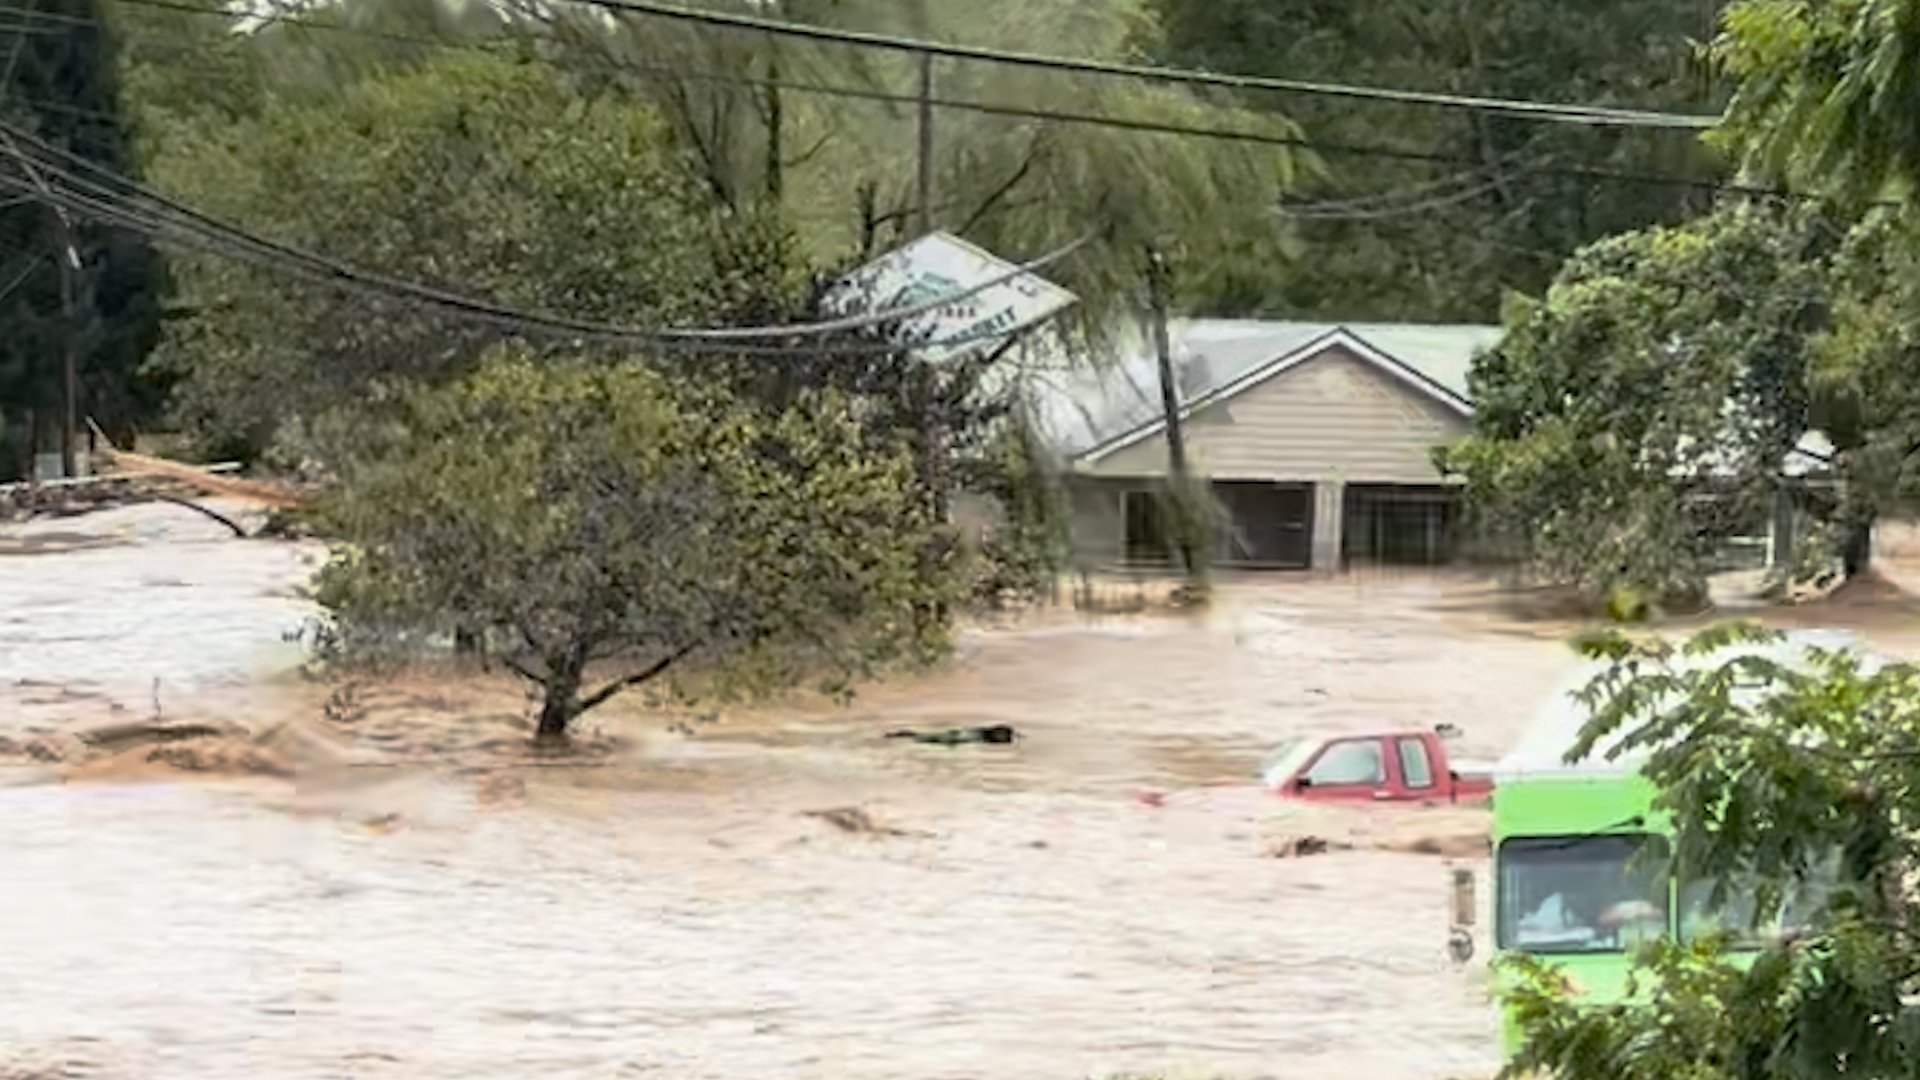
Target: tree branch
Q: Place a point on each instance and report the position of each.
(214, 514)
(652, 671)
(521, 670)
(809, 154)
(993, 199)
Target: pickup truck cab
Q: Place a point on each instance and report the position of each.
(1394, 766)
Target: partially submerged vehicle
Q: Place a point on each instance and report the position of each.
(1392, 766)
(1566, 883)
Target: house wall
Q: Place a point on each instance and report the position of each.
(1332, 418)
(1329, 421)
(1099, 521)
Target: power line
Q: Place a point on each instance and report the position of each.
(1386, 210)
(1379, 198)
(287, 257)
(1457, 187)
(1533, 110)
(1026, 113)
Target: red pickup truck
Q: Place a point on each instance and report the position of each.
(1395, 766)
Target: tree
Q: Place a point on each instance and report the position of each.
(1822, 92)
(590, 514)
(476, 173)
(1442, 240)
(1645, 406)
(1819, 107)
(844, 170)
(1768, 769)
(58, 77)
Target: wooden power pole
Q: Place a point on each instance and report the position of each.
(924, 217)
(1179, 481)
(69, 360)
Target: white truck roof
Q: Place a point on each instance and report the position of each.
(1542, 751)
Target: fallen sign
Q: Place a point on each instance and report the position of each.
(1001, 299)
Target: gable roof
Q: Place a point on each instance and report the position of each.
(1094, 413)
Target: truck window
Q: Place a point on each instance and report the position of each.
(1354, 761)
(1574, 894)
(1416, 767)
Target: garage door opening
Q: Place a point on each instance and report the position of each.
(1400, 525)
(1264, 525)
(1148, 537)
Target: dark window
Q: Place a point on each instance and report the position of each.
(1416, 767)
(1147, 539)
(1574, 894)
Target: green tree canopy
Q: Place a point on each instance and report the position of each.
(843, 170)
(477, 173)
(1442, 240)
(1824, 94)
(1661, 365)
(594, 516)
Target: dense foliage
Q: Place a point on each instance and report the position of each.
(59, 78)
(1768, 768)
(1645, 407)
(470, 172)
(1455, 207)
(589, 516)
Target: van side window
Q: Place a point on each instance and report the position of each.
(1355, 761)
(1416, 767)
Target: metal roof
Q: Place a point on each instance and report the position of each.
(1088, 408)
(1541, 753)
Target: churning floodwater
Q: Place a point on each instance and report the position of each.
(1010, 912)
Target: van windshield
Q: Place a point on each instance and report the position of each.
(1575, 894)
(1801, 908)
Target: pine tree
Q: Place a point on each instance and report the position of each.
(58, 78)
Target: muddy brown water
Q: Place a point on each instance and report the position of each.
(675, 911)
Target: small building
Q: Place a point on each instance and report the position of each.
(1317, 440)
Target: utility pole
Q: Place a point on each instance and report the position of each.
(935, 436)
(68, 264)
(1179, 482)
(69, 261)
(924, 217)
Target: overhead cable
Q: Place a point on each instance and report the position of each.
(1530, 110)
(102, 200)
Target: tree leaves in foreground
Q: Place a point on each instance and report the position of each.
(1645, 406)
(602, 522)
(1825, 94)
(1768, 767)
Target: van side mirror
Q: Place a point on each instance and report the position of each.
(1465, 910)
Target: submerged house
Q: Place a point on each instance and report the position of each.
(1316, 438)
(1317, 442)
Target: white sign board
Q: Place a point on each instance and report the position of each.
(941, 264)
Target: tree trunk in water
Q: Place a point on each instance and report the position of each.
(1856, 554)
(563, 696)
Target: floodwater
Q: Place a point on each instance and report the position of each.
(678, 911)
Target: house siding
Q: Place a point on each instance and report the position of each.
(1330, 419)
